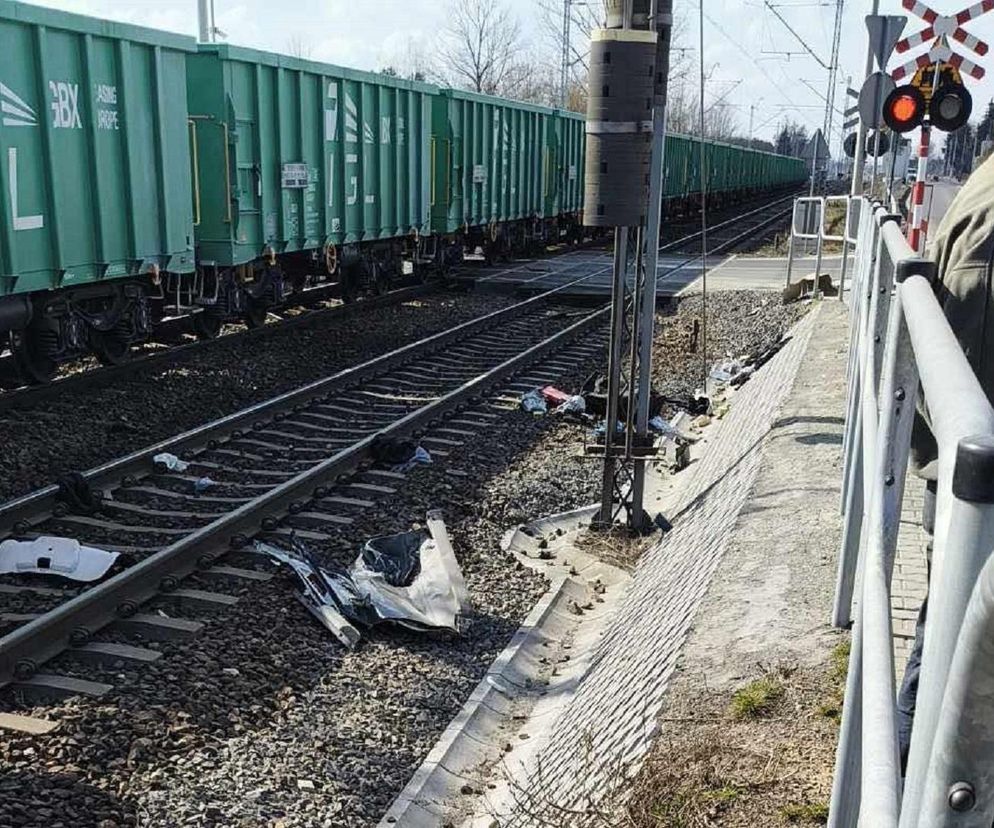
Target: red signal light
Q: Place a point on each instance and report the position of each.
(904, 109)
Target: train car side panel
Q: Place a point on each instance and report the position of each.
(95, 156)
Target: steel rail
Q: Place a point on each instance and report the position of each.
(74, 622)
(98, 377)
(22, 509)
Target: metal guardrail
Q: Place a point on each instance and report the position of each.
(809, 223)
(903, 356)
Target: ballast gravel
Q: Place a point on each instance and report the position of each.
(264, 719)
(81, 429)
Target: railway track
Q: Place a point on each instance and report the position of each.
(301, 463)
(723, 237)
(89, 377)
(25, 396)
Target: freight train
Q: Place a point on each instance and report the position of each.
(144, 175)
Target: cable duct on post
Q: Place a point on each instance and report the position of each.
(619, 127)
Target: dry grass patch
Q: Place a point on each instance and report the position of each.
(758, 755)
(616, 546)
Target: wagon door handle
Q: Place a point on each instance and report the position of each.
(227, 170)
(196, 172)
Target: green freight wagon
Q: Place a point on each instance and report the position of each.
(303, 167)
(496, 171)
(565, 193)
(734, 172)
(95, 196)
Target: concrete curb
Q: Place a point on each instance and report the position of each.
(447, 784)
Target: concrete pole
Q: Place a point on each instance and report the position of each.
(857, 170)
(203, 20)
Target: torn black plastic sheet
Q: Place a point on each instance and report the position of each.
(412, 579)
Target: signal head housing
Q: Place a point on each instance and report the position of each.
(904, 109)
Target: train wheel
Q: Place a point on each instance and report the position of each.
(33, 349)
(110, 347)
(331, 259)
(206, 324)
(255, 314)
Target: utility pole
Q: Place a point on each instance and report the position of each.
(564, 68)
(203, 19)
(833, 72)
(860, 160)
(661, 18)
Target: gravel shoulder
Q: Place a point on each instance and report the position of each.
(82, 429)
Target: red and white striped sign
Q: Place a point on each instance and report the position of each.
(949, 25)
(939, 53)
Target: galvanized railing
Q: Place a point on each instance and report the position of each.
(904, 356)
(809, 222)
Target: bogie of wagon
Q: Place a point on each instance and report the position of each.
(95, 198)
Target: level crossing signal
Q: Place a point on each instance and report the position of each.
(948, 106)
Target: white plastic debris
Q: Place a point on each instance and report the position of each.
(413, 581)
(202, 484)
(170, 462)
(534, 403)
(574, 405)
(420, 457)
(64, 557)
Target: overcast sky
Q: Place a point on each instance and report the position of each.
(740, 36)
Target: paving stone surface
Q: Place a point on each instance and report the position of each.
(612, 718)
(910, 581)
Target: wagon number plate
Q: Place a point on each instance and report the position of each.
(296, 177)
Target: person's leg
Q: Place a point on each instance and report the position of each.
(908, 694)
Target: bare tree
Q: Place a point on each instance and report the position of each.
(298, 47)
(481, 47)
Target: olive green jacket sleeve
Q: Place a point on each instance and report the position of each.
(962, 247)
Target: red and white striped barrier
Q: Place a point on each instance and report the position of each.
(919, 226)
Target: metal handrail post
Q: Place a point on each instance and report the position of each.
(857, 336)
(959, 786)
(819, 244)
(790, 242)
(881, 780)
(843, 810)
(968, 538)
(852, 534)
(964, 533)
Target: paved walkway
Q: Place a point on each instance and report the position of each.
(910, 574)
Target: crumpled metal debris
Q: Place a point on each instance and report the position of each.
(316, 592)
(47, 555)
(411, 579)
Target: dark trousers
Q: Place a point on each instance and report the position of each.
(908, 694)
